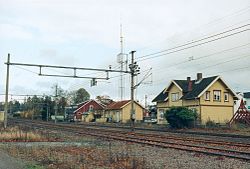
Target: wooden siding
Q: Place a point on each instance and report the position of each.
(123, 115)
(217, 111)
(216, 114)
(174, 89)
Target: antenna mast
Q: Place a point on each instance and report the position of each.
(120, 60)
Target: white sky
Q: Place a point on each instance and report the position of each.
(85, 33)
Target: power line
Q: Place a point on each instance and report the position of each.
(234, 69)
(202, 57)
(220, 63)
(197, 45)
(19, 67)
(195, 41)
(146, 56)
(202, 39)
(26, 95)
(211, 23)
(85, 82)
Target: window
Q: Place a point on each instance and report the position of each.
(161, 113)
(91, 107)
(207, 95)
(217, 95)
(226, 96)
(174, 97)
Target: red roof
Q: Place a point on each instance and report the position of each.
(117, 105)
(84, 107)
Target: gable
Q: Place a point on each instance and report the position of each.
(173, 83)
(219, 84)
(163, 96)
(87, 104)
(199, 88)
(129, 103)
(173, 88)
(117, 105)
(83, 103)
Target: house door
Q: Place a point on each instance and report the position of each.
(118, 115)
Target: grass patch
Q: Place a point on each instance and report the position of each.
(17, 134)
(34, 166)
(71, 157)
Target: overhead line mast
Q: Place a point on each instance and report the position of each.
(74, 75)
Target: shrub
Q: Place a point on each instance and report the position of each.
(180, 117)
(211, 123)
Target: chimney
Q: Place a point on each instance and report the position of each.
(199, 76)
(189, 82)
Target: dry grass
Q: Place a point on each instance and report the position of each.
(27, 114)
(72, 157)
(14, 134)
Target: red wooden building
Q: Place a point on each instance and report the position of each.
(87, 107)
(242, 115)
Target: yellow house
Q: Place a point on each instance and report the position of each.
(1, 116)
(210, 97)
(121, 111)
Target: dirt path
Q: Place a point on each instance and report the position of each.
(7, 162)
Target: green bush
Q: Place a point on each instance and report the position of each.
(211, 123)
(180, 117)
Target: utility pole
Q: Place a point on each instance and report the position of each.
(47, 108)
(56, 106)
(47, 111)
(10, 104)
(132, 113)
(134, 69)
(6, 93)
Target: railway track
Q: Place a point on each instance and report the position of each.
(204, 146)
(226, 135)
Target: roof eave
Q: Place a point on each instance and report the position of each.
(174, 84)
(201, 93)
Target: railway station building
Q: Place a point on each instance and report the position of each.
(210, 97)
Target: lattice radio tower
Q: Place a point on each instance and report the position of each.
(121, 60)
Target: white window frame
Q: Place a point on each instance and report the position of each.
(161, 113)
(217, 95)
(226, 94)
(174, 97)
(207, 95)
(91, 107)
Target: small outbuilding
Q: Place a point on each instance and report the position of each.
(121, 111)
(90, 107)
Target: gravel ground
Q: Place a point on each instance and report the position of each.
(158, 158)
(7, 162)
(148, 157)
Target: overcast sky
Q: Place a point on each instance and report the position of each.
(85, 33)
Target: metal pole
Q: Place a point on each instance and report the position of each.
(132, 111)
(121, 81)
(47, 111)
(33, 110)
(6, 93)
(56, 107)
